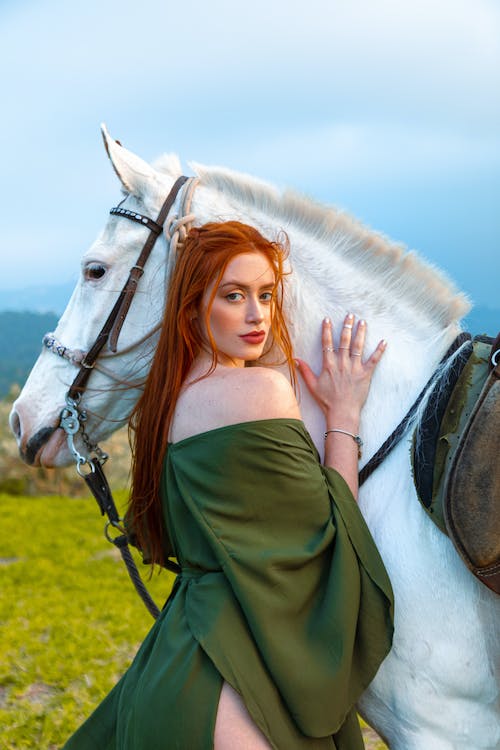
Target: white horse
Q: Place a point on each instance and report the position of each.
(438, 688)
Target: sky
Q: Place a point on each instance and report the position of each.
(389, 109)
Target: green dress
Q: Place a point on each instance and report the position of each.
(282, 594)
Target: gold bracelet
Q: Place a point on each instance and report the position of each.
(356, 438)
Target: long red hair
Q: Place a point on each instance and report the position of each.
(202, 260)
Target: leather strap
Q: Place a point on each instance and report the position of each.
(114, 322)
(144, 221)
(98, 485)
(400, 430)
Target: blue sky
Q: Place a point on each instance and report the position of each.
(389, 109)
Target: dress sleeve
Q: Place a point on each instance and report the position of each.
(303, 568)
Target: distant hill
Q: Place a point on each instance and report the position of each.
(47, 298)
(42, 298)
(20, 343)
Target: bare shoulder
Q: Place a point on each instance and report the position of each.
(231, 396)
(262, 393)
(271, 383)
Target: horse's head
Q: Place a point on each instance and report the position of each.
(105, 266)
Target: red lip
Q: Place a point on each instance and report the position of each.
(255, 337)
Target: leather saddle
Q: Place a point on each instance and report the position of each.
(456, 458)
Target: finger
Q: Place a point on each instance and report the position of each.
(327, 341)
(308, 375)
(358, 341)
(345, 336)
(377, 355)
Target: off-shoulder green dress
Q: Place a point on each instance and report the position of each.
(282, 594)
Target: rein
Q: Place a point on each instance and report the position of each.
(400, 430)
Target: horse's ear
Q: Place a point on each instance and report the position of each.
(134, 173)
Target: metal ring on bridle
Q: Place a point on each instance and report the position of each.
(79, 465)
(494, 357)
(116, 525)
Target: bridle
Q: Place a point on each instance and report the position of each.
(114, 322)
(72, 418)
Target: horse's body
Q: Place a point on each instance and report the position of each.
(438, 689)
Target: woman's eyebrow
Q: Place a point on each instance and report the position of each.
(237, 283)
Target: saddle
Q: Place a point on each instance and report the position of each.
(456, 458)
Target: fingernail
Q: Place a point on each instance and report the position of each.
(327, 321)
(362, 322)
(350, 316)
(383, 343)
(297, 363)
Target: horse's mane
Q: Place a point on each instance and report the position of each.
(410, 277)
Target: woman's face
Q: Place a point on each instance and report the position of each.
(240, 317)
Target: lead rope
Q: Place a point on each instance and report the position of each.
(98, 485)
(71, 422)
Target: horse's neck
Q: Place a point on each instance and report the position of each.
(412, 354)
(327, 281)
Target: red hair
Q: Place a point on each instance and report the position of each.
(202, 260)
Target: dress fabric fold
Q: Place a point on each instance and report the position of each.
(282, 594)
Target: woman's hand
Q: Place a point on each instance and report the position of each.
(342, 386)
(341, 389)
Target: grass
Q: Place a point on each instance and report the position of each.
(70, 620)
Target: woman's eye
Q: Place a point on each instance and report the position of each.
(234, 296)
(94, 271)
(266, 296)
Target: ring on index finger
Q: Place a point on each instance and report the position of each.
(347, 325)
(328, 349)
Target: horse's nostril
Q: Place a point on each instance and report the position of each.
(15, 424)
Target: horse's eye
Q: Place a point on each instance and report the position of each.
(94, 271)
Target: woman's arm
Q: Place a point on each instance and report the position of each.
(341, 389)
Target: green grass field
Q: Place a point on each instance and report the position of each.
(70, 620)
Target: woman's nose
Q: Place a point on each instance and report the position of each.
(255, 313)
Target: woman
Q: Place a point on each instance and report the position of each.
(282, 613)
